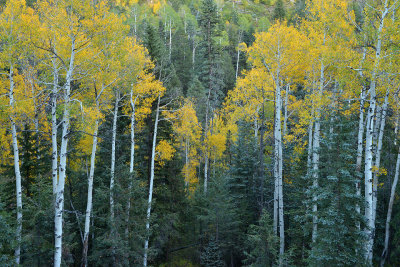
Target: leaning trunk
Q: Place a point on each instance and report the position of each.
(16, 170)
(90, 196)
(378, 157)
(389, 212)
(153, 154)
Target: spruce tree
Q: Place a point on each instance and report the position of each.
(339, 241)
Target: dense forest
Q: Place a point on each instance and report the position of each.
(199, 133)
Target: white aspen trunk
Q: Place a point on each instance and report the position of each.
(389, 212)
(206, 170)
(315, 170)
(377, 122)
(360, 139)
(112, 173)
(153, 154)
(131, 165)
(112, 170)
(276, 195)
(310, 146)
(135, 23)
(170, 38)
(205, 140)
(369, 145)
(255, 128)
(54, 154)
(238, 56)
(17, 171)
(281, 217)
(89, 203)
(59, 203)
(286, 111)
(378, 157)
(193, 53)
(396, 129)
(187, 162)
(278, 192)
(315, 158)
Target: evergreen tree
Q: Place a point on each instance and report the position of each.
(261, 243)
(339, 241)
(279, 11)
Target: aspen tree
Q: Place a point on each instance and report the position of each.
(14, 23)
(390, 208)
(105, 74)
(379, 41)
(278, 51)
(329, 31)
(69, 27)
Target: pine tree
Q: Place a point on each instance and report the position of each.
(339, 241)
(261, 243)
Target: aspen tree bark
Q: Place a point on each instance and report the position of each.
(170, 38)
(389, 212)
(153, 155)
(238, 56)
(278, 165)
(315, 157)
(89, 203)
(378, 157)
(360, 143)
(112, 170)
(131, 165)
(206, 135)
(285, 118)
(187, 162)
(310, 146)
(310, 142)
(54, 154)
(17, 171)
(369, 144)
(59, 203)
(315, 170)
(360, 135)
(113, 141)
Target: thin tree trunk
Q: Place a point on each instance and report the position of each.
(131, 166)
(16, 169)
(360, 143)
(112, 172)
(238, 56)
(54, 155)
(153, 154)
(286, 109)
(369, 145)
(278, 166)
(206, 134)
(315, 158)
(389, 212)
(170, 38)
(59, 203)
(187, 163)
(113, 143)
(89, 203)
(378, 158)
(315, 170)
